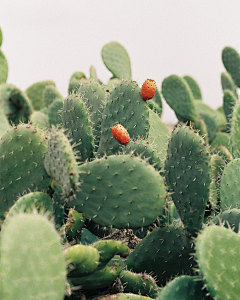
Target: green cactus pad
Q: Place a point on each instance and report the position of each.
(35, 93)
(164, 253)
(115, 190)
(218, 256)
(196, 91)
(39, 119)
(77, 120)
(32, 259)
(60, 163)
(82, 260)
(126, 107)
(3, 68)
(229, 185)
(228, 83)
(179, 97)
(22, 152)
(188, 176)
(139, 284)
(15, 103)
(94, 97)
(184, 287)
(39, 201)
(231, 62)
(116, 59)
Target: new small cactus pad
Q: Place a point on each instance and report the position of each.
(148, 89)
(120, 134)
(116, 59)
(82, 260)
(231, 62)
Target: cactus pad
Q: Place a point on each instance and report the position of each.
(32, 261)
(115, 190)
(218, 256)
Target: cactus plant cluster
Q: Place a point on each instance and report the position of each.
(100, 200)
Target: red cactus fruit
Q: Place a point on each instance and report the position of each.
(148, 89)
(120, 134)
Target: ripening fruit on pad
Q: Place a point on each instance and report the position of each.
(148, 89)
(218, 257)
(120, 134)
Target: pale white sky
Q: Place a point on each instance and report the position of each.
(51, 39)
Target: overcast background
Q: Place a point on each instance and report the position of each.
(52, 39)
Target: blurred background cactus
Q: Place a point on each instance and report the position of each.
(84, 216)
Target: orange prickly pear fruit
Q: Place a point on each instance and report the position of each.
(148, 89)
(120, 134)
